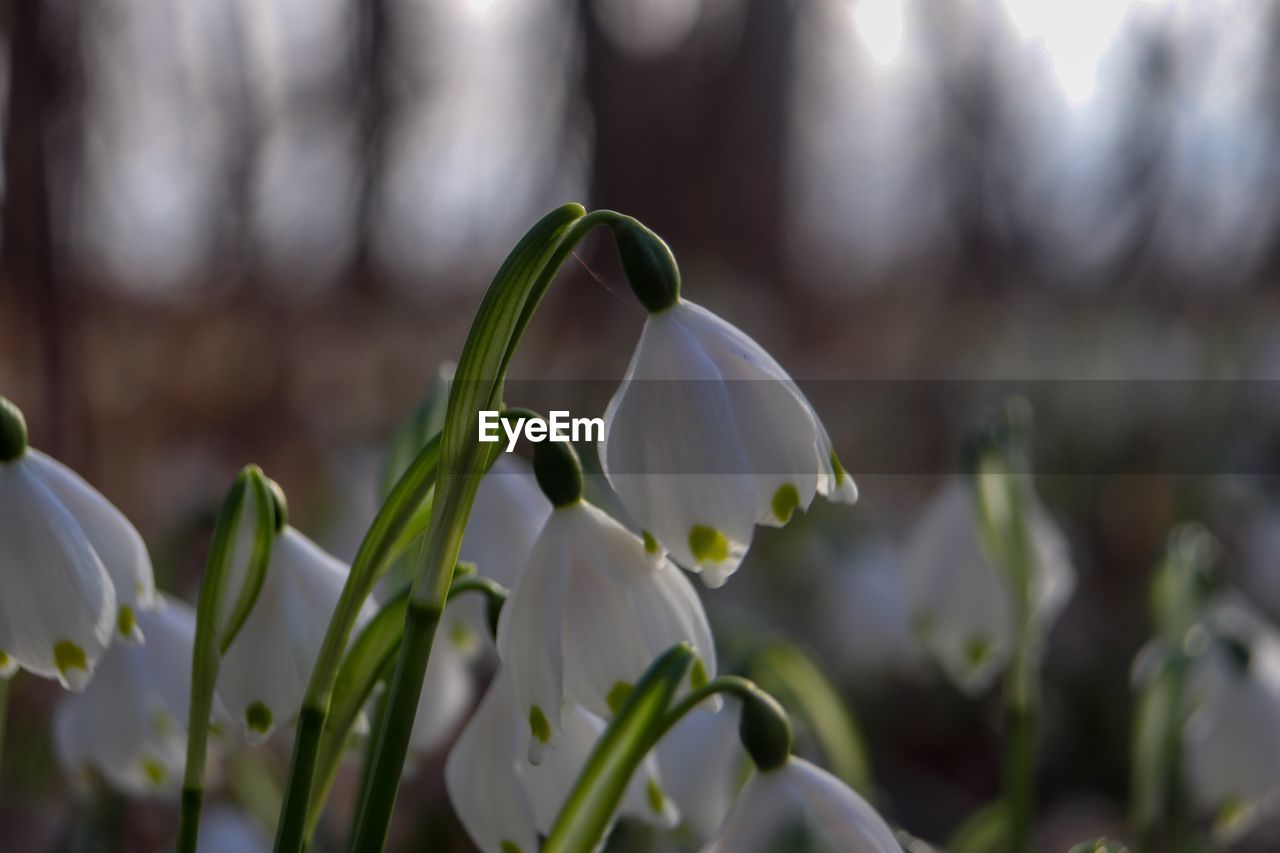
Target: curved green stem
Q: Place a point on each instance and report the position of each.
(211, 638)
(504, 314)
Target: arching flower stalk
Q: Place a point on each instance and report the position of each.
(129, 724)
(73, 571)
(592, 610)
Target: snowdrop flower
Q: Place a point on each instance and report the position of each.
(775, 803)
(504, 801)
(1232, 755)
(866, 616)
(700, 759)
(506, 517)
(708, 436)
(594, 607)
(958, 595)
(73, 570)
(264, 674)
(129, 724)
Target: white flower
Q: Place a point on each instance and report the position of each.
(504, 801)
(506, 517)
(959, 598)
(866, 618)
(225, 830)
(1232, 753)
(799, 797)
(592, 610)
(264, 674)
(73, 570)
(700, 759)
(708, 436)
(130, 723)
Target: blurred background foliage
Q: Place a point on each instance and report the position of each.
(251, 230)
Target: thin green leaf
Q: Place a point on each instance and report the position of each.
(264, 534)
(985, 831)
(629, 737)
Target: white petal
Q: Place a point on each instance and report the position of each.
(114, 538)
(129, 723)
(529, 636)
(672, 452)
(447, 692)
(773, 803)
(481, 776)
(265, 672)
(622, 611)
(54, 591)
(700, 758)
(958, 599)
(225, 830)
(783, 438)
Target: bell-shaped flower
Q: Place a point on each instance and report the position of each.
(505, 802)
(959, 597)
(264, 673)
(708, 436)
(1231, 751)
(701, 760)
(865, 617)
(506, 517)
(73, 570)
(593, 608)
(800, 798)
(129, 724)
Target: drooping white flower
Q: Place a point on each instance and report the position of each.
(506, 517)
(73, 570)
(264, 673)
(504, 801)
(798, 797)
(708, 436)
(591, 612)
(1232, 753)
(958, 595)
(129, 724)
(866, 618)
(700, 759)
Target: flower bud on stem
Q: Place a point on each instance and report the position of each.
(13, 432)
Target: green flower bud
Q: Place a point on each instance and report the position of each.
(13, 432)
(650, 267)
(765, 731)
(558, 471)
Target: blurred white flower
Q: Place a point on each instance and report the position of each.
(700, 759)
(504, 801)
(506, 517)
(227, 830)
(129, 724)
(73, 570)
(594, 607)
(708, 436)
(866, 618)
(1232, 753)
(264, 673)
(799, 797)
(959, 598)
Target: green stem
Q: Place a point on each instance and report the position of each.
(366, 767)
(388, 532)
(210, 637)
(500, 322)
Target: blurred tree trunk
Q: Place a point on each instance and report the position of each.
(39, 80)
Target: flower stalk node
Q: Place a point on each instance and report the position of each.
(13, 432)
(765, 730)
(649, 265)
(559, 473)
